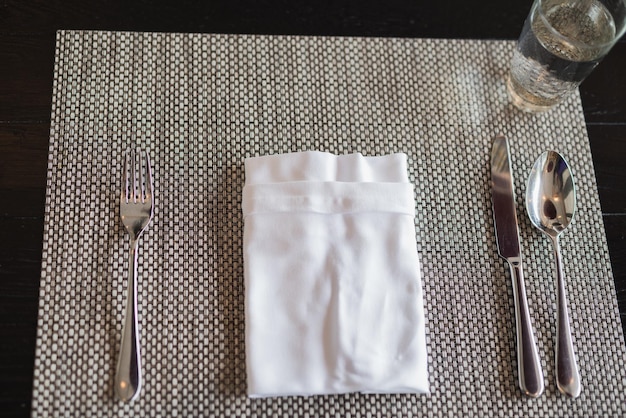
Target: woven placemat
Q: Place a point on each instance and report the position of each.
(201, 104)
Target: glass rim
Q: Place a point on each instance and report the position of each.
(606, 46)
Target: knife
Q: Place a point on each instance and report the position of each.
(507, 236)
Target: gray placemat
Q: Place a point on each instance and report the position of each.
(201, 104)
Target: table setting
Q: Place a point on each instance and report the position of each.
(320, 234)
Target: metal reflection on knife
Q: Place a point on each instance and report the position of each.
(507, 237)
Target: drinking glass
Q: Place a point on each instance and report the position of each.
(561, 43)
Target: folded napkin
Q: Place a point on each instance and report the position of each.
(332, 282)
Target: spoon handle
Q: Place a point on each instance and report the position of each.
(567, 375)
(529, 366)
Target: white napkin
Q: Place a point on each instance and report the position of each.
(332, 282)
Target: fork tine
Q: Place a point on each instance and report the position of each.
(133, 173)
(149, 179)
(142, 186)
(125, 190)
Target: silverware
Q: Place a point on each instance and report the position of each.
(136, 210)
(507, 236)
(551, 202)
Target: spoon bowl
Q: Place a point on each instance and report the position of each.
(551, 203)
(551, 195)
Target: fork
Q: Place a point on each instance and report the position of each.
(136, 211)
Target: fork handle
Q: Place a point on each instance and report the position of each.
(128, 374)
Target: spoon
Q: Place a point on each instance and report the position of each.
(551, 202)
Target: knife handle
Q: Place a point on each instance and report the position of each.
(529, 366)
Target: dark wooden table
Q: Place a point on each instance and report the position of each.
(27, 41)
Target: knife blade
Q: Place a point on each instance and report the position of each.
(507, 238)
